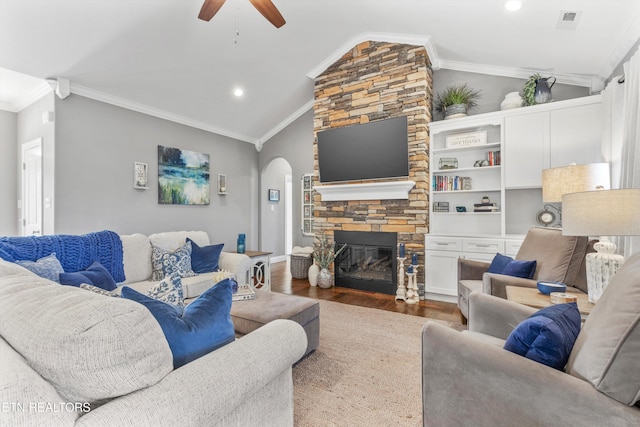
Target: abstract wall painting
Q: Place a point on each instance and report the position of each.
(183, 177)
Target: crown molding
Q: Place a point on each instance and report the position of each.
(15, 107)
(518, 73)
(286, 122)
(410, 39)
(628, 40)
(155, 112)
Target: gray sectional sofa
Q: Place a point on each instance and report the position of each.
(74, 357)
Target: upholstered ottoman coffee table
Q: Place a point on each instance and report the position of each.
(249, 315)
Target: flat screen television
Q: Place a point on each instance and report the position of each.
(366, 151)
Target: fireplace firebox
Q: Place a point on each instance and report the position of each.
(368, 262)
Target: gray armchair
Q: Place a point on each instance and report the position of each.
(469, 379)
(559, 258)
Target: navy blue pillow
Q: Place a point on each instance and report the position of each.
(499, 263)
(547, 336)
(204, 259)
(519, 268)
(96, 275)
(194, 330)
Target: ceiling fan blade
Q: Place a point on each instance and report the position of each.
(210, 8)
(269, 11)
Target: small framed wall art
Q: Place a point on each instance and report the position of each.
(222, 183)
(140, 176)
(274, 195)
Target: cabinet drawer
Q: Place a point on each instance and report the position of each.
(512, 247)
(440, 243)
(487, 246)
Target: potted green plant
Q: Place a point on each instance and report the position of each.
(324, 254)
(529, 90)
(456, 100)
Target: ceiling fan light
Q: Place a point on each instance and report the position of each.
(513, 5)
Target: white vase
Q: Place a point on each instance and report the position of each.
(313, 275)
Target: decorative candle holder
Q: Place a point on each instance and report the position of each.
(402, 290)
(412, 288)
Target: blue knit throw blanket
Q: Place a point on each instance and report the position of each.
(75, 253)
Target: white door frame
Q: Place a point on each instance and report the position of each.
(31, 166)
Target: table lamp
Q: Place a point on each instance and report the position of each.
(570, 179)
(602, 213)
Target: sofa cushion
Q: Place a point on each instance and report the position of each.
(48, 267)
(87, 346)
(205, 259)
(606, 351)
(197, 329)
(95, 275)
(547, 336)
(165, 262)
(136, 257)
(168, 290)
(558, 257)
(172, 240)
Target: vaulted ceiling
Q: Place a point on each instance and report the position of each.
(155, 56)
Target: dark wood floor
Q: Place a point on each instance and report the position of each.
(281, 281)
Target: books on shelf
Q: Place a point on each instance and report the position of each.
(494, 158)
(245, 292)
(450, 183)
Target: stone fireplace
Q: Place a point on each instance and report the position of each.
(374, 81)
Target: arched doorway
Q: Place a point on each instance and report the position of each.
(276, 213)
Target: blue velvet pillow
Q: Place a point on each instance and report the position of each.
(48, 267)
(498, 263)
(519, 268)
(96, 275)
(204, 259)
(547, 336)
(197, 329)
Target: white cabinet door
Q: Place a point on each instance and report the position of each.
(441, 272)
(576, 134)
(526, 149)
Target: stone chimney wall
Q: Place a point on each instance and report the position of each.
(374, 81)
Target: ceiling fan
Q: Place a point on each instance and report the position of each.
(265, 7)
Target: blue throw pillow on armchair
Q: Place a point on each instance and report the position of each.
(194, 330)
(96, 275)
(520, 268)
(547, 336)
(205, 259)
(498, 263)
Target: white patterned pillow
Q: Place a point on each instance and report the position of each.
(168, 290)
(166, 263)
(98, 290)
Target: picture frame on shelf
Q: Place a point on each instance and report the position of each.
(274, 195)
(466, 139)
(140, 176)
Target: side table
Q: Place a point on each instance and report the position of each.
(533, 298)
(260, 274)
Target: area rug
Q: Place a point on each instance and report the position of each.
(366, 371)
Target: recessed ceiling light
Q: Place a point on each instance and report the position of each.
(513, 5)
(238, 92)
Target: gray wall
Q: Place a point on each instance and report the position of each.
(494, 88)
(96, 146)
(30, 127)
(8, 174)
(295, 145)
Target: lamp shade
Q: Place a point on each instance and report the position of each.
(573, 179)
(602, 213)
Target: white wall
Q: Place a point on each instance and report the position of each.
(8, 174)
(96, 145)
(273, 214)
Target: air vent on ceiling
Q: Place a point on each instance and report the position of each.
(568, 19)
